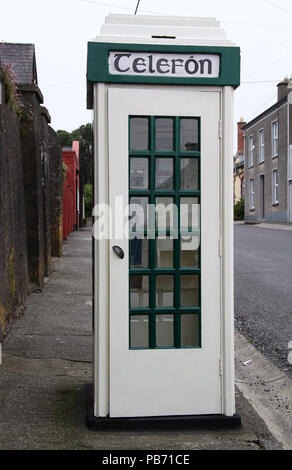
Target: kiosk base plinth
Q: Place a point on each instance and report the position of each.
(157, 422)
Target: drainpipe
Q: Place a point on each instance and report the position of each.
(289, 153)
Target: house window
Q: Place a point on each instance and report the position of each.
(250, 151)
(275, 187)
(275, 139)
(251, 194)
(261, 146)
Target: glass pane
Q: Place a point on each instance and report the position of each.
(189, 254)
(164, 331)
(164, 173)
(164, 134)
(189, 287)
(139, 173)
(139, 254)
(139, 331)
(138, 213)
(190, 330)
(164, 291)
(164, 253)
(189, 135)
(189, 214)
(189, 175)
(139, 289)
(139, 133)
(166, 214)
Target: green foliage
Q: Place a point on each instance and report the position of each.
(11, 95)
(88, 199)
(84, 135)
(13, 99)
(65, 138)
(239, 210)
(64, 168)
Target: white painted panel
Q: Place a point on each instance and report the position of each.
(166, 382)
(101, 263)
(227, 276)
(164, 64)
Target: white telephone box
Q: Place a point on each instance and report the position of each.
(162, 93)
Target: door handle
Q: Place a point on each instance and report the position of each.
(119, 251)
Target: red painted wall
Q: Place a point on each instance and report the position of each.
(71, 190)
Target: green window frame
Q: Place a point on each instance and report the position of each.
(177, 271)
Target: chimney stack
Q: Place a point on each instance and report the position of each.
(283, 88)
(240, 137)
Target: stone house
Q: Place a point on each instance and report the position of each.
(238, 164)
(268, 158)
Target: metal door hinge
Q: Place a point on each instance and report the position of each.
(220, 129)
(220, 247)
(220, 367)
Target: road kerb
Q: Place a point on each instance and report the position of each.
(267, 388)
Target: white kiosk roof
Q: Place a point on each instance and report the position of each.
(181, 47)
(163, 30)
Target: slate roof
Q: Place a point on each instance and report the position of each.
(22, 59)
(264, 113)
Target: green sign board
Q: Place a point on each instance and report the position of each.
(162, 64)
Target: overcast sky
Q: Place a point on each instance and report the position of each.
(60, 30)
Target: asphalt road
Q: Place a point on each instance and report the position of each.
(263, 290)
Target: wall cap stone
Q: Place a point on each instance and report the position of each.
(45, 113)
(30, 88)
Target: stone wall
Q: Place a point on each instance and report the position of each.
(31, 190)
(13, 253)
(56, 192)
(45, 178)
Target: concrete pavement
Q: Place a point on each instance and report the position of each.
(274, 226)
(47, 359)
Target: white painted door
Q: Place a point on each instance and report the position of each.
(172, 365)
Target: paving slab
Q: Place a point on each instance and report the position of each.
(47, 360)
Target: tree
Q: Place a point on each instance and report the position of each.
(88, 199)
(65, 138)
(84, 135)
(239, 210)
